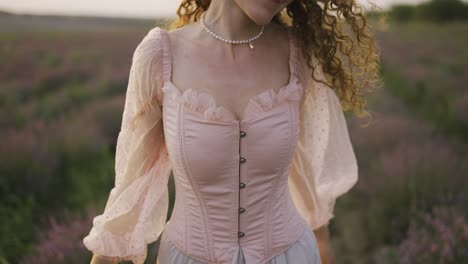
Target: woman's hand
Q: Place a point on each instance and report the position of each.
(103, 260)
(322, 235)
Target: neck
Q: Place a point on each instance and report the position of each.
(226, 19)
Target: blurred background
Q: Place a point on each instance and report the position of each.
(63, 73)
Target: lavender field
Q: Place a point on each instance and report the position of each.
(62, 85)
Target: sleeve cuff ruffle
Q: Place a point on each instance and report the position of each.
(135, 218)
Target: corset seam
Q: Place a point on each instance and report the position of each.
(183, 251)
(179, 142)
(208, 238)
(268, 240)
(270, 254)
(284, 249)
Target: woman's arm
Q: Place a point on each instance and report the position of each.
(324, 166)
(322, 235)
(102, 260)
(136, 208)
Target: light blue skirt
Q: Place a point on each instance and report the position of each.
(303, 251)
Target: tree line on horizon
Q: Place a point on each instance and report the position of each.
(430, 11)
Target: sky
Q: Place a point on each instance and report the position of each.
(117, 8)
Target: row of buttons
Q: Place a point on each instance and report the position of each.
(242, 185)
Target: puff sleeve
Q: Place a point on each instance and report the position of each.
(324, 166)
(136, 209)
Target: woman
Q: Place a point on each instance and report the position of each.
(237, 105)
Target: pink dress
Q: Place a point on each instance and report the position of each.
(247, 191)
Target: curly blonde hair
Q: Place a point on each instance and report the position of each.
(319, 30)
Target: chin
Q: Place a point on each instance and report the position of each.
(262, 20)
(262, 11)
(260, 16)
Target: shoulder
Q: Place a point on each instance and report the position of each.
(151, 43)
(150, 62)
(182, 36)
(280, 34)
(150, 50)
(287, 37)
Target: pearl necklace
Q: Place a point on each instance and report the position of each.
(216, 36)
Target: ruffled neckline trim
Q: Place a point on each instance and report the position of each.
(204, 105)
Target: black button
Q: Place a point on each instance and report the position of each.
(241, 185)
(241, 210)
(241, 234)
(242, 160)
(243, 134)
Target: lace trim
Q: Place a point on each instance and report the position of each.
(204, 105)
(270, 99)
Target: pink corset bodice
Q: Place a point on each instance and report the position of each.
(232, 178)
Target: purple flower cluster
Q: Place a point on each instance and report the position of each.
(62, 241)
(440, 236)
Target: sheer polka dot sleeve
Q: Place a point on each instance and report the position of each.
(324, 166)
(136, 209)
